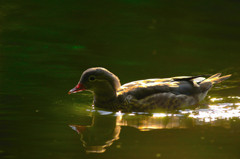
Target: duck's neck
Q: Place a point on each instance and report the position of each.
(105, 98)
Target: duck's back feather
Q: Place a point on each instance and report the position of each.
(177, 85)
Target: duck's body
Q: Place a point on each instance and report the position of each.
(147, 94)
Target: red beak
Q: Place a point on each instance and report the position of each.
(79, 87)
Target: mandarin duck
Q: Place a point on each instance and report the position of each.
(143, 95)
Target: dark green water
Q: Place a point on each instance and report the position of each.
(46, 45)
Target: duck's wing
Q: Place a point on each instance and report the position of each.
(170, 92)
(186, 85)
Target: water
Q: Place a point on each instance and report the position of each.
(46, 45)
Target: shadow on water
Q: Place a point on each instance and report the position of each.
(105, 126)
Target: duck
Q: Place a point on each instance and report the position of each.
(144, 95)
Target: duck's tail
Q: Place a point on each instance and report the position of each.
(208, 83)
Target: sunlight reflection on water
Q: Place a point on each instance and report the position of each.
(217, 111)
(221, 111)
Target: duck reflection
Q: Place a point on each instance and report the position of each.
(100, 134)
(106, 126)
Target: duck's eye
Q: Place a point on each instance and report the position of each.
(92, 78)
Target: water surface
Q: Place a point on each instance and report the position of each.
(46, 45)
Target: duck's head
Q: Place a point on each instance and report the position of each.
(98, 80)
